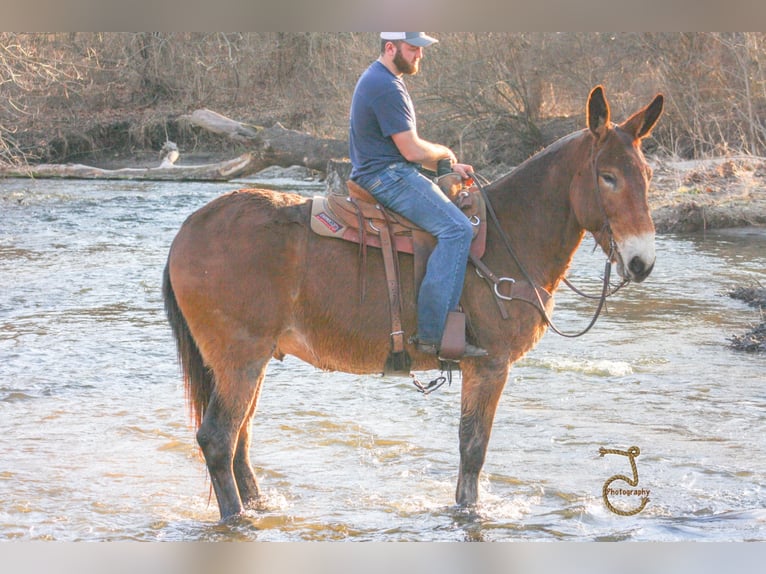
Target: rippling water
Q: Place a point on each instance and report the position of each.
(97, 444)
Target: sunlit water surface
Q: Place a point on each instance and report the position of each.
(96, 440)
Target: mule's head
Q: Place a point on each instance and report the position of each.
(609, 195)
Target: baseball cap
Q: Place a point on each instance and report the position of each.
(415, 38)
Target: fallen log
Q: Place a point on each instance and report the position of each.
(221, 125)
(276, 145)
(167, 171)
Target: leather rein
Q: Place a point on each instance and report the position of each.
(606, 290)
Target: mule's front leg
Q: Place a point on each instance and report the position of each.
(482, 388)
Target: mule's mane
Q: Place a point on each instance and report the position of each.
(535, 193)
(544, 156)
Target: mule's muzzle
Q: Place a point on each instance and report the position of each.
(638, 269)
(635, 257)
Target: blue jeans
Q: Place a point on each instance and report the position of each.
(403, 189)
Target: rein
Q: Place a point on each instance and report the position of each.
(605, 289)
(577, 291)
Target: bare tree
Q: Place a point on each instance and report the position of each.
(496, 97)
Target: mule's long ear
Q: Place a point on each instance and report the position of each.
(641, 123)
(598, 112)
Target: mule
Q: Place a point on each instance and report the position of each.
(247, 281)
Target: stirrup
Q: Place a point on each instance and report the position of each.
(470, 351)
(427, 348)
(474, 351)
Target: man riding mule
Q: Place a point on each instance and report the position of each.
(247, 281)
(386, 152)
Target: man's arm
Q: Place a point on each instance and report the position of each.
(426, 153)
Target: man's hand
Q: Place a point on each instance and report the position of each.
(463, 169)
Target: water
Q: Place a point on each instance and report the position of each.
(97, 443)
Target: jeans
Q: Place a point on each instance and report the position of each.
(403, 189)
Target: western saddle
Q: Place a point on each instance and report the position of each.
(360, 219)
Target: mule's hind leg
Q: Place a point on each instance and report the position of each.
(218, 435)
(480, 395)
(247, 484)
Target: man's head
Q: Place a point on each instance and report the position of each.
(419, 39)
(404, 49)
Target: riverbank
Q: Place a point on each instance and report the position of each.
(687, 196)
(754, 341)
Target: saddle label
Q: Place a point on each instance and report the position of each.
(328, 221)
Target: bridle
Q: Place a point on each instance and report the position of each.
(606, 289)
(606, 228)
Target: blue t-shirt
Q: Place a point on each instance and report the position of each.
(380, 107)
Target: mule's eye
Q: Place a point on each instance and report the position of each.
(609, 180)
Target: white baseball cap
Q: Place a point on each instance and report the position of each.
(419, 39)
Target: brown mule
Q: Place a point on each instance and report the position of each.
(246, 280)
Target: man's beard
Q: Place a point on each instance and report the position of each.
(403, 65)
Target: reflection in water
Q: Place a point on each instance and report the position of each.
(98, 443)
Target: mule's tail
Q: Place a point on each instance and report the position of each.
(198, 379)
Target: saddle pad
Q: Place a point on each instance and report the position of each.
(326, 223)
